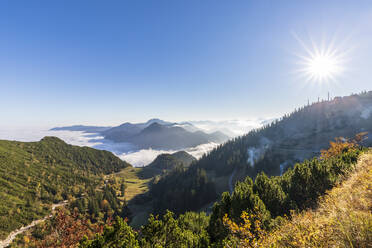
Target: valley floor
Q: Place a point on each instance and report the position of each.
(137, 184)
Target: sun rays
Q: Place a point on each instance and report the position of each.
(321, 63)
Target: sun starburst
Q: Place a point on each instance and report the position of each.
(321, 63)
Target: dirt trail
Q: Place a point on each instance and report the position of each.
(13, 235)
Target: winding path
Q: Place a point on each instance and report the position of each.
(6, 242)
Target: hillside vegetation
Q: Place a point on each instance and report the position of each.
(166, 162)
(33, 175)
(269, 198)
(279, 145)
(342, 218)
(247, 216)
(276, 172)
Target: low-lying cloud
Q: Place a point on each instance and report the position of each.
(366, 113)
(146, 156)
(231, 127)
(199, 150)
(142, 157)
(36, 134)
(256, 153)
(125, 151)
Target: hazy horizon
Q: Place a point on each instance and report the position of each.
(99, 64)
(185, 123)
(126, 151)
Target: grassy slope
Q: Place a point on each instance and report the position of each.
(137, 181)
(33, 175)
(136, 184)
(343, 218)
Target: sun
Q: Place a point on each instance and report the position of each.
(323, 67)
(321, 63)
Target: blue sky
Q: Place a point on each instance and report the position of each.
(107, 62)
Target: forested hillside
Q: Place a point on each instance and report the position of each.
(341, 218)
(279, 145)
(294, 137)
(33, 175)
(190, 189)
(255, 210)
(276, 170)
(169, 161)
(244, 217)
(267, 198)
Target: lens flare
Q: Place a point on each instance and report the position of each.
(321, 63)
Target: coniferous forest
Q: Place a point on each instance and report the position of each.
(36, 175)
(267, 200)
(99, 218)
(102, 201)
(185, 124)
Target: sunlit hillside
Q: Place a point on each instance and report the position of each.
(34, 175)
(340, 218)
(343, 218)
(186, 124)
(276, 147)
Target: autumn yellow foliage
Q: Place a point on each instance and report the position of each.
(343, 218)
(341, 144)
(248, 234)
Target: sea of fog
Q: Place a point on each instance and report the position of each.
(127, 151)
(124, 151)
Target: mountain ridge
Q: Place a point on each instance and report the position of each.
(33, 175)
(281, 144)
(154, 133)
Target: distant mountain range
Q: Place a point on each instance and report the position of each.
(155, 133)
